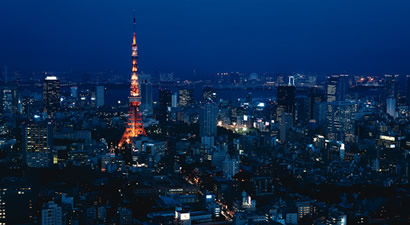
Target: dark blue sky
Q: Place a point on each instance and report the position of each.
(319, 36)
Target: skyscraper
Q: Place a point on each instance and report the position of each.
(408, 90)
(285, 124)
(208, 122)
(99, 90)
(337, 87)
(9, 100)
(37, 144)
(286, 97)
(341, 126)
(209, 94)
(51, 95)
(74, 91)
(16, 201)
(391, 85)
(146, 95)
(185, 97)
(314, 97)
(165, 102)
(391, 106)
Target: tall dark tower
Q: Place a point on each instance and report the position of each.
(135, 127)
(286, 97)
(51, 95)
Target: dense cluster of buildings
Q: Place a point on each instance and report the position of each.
(237, 149)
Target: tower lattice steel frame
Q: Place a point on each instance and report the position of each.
(135, 127)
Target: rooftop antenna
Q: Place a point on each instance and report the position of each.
(134, 21)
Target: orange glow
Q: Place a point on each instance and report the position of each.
(135, 126)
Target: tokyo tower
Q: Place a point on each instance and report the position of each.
(135, 127)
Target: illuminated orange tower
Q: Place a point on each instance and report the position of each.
(135, 127)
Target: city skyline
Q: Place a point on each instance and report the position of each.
(207, 146)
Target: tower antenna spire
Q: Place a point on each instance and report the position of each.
(134, 22)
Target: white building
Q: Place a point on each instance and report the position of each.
(51, 214)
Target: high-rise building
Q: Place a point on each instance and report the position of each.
(286, 98)
(391, 106)
(337, 87)
(15, 201)
(51, 95)
(99, 91)
(209, 94)
(51, 214)
(174, 100)
(37, 144)
(125, 216)
(341, 125)
(286, 123)
(408, 90)
(314, 96)
(9, 100)
(208, 122)
(165, 103)
(391, 85)
(185, 97)
(146, 95)
(74, 91)
(230, 167)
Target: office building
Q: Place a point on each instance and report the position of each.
(408, 90)
(125, 216)
(286, 98)
(391, 83)
(9, 100)
(208, 122)
(391, 106)
(146, 96)
(37, 144)
(209, 94)
(314, 97)
(51, 95)
(99, 92)
(174, 100)
(51, 214)
(165, 102)
(341, 124)
(15, 201)
(74, 91)
(185, 97)
(337, 87)
(286, 124)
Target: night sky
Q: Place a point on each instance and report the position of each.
(304, 36)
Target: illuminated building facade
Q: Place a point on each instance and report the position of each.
(165, 103)
(341, 124)
(9, 100)
(286, 97)
(16, 204)
(185, 97)
(135, 127)
(208, 122)
(38, 144)
(51, 214)
(51, 95)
